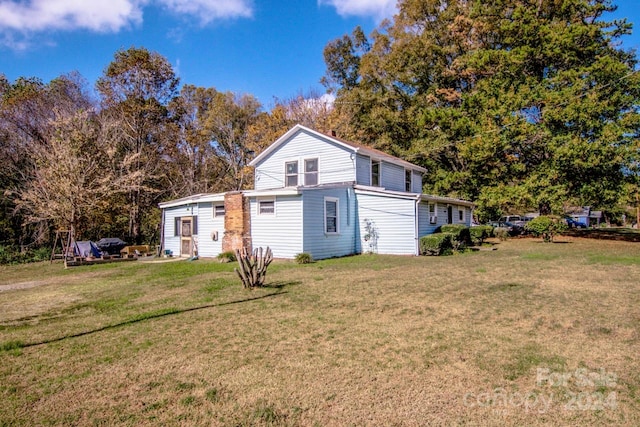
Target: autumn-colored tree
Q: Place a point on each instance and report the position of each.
(29, 110)
(69, 180)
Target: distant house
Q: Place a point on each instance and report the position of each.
(318, 194)
(585, 215)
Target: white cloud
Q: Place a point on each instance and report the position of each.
(43, 15)
(210, 10)
(379, 9)
(20, 20)
(328, 99)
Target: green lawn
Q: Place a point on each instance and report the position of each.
(529, 334)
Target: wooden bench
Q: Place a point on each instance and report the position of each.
(135, 250)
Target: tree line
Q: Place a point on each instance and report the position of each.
(98, 162)
(517, 105)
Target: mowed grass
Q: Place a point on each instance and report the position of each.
(529, 334)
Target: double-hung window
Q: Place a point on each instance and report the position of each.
(311, 172)
(407, 180)
(266, 207)
(291, 174)
(331, 218)
(218, 211)
(461, 214)
(375, 173)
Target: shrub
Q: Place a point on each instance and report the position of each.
(479, 233)
(436, 244)
(304, 258)
(228, 256)
(460, 235)
(501, 233)
(546, 226)
(12, 255)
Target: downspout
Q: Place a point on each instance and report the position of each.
(416, 221)
(161, 235)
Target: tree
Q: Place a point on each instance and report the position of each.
(517, 105)
(227, 125)
(69, 181)
(29, 110)
(135, 90)
(194, 165)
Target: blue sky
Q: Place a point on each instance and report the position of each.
(271, 49)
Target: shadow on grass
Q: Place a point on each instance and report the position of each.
(624, 234)
(280, 285)
(14, 345)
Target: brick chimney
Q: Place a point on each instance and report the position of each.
(237, 222)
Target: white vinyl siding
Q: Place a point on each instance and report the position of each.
(315, 241)
(393, 220)
(335, 163)
(207, 224)
(424, 221)
(282, 232)
(416, 182)
(363, 170)
(392, 176)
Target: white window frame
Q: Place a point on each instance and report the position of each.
(287, 174)
(379, 163)
(267, 200)
(462, 214)
(316, 172)
(337, 202)
(215, 213)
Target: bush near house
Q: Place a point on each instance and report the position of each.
(227, 256)
(304, 258)
(546, 226)
(501, 233)
(461, 237)
(437, 244)
(479, 233)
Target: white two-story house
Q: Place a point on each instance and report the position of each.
(318, 194)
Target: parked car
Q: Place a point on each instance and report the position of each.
(512, 228)
(572, 223)
(513, 219)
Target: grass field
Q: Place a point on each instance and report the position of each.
(529, 334)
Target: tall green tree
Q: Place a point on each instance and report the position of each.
(516, 104)
(135, 90)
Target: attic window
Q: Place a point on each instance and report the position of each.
(291, 174)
